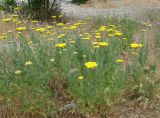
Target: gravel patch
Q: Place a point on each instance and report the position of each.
(79, 12)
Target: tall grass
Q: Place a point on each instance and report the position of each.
(34, 58)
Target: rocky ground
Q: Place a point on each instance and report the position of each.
(82, 11)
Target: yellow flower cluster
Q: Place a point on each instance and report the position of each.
(90, 65)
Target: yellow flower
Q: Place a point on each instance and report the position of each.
(3, 37)
(89, 18)
(54, 16)
(20, 28)
(72, 41)
(18, 72)
(136, 45)
(124, 38)
(51, 39)
(60, 16)
(96, 46)
(95, 43)
(119, 60)
(28, 63)
(60, 24)
(29, 42)
(60, 45)
(135, 53)
(17, 8)
(49, 27)
(98, 37)
(52, 60)
(103, 43)
(7, 19)
(110, 35)
(80, 77)
(15, 16)
(41, 30)
(90, 65)
(86, 38)
(35, 21)
(118, 33)
(102, 28)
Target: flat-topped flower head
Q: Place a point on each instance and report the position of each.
(21, 28)
(119, 60)
(136, 45)
(90, 64)
(80, 77)
(60, 45)
(103, 44)
(17, 72)
(28, 63)
(7, 19)
(41, 30)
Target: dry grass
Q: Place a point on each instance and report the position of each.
(4, 27)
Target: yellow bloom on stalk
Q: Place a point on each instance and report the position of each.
(60, 16)
(40, 30)
(102, 28)
(110, 35)
(51, 39)
(104, 44)
(95, 43)
(29, 42)
(98, 37)
(35, 21)
(119, 60)
(72, 41)
(73, 27)
(17, 8)
(3, 37)
(135, 53)
(20, 28)
(60, 24)
(90, 65)
(124, 38)
(14, 16)
(7, 19)
(18, 72)
(80, 77)
(118, 33)
(28, 63)
(60, 45)
(97, 34)
(136, 45)
(49, 27)
(110, 30)
(86, 38)
(89, 18)
(54, 16)
(96, 46)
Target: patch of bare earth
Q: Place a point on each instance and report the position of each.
(121, 3)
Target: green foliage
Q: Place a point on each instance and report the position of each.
(7, 5)
(79, 1)
(41, 9)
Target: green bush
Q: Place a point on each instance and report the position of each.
(35, 9)
(7, 5)
(79, 1)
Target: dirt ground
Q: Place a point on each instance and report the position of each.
(122, 3)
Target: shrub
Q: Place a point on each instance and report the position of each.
(7, 5)
(40, 10)
(79, 1)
